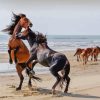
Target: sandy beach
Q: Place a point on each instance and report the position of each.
(85, 83)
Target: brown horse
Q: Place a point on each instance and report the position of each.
(77, 53)
(96, 52)
(85, 55)
(89, 52)
(18, 52)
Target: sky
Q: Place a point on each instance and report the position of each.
(55, 17)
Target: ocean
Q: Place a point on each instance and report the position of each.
(55, 42)
(61, 42)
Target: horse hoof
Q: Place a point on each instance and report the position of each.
(53, 92)
(66, 91)
(10, 62)
(17, 89)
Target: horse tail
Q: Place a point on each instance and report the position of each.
(66, 70)
(36, 78)
(75, 53)
(65, 77)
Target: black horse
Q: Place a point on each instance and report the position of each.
(41, 53)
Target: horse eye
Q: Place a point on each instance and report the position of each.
(25, 19)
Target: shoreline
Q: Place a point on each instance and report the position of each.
(4, 57)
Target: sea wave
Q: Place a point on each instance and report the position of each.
(10, 68)
(60, 42)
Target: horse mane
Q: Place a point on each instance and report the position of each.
(32, 33)
(15, 19)
(41, 35)
(41, 38)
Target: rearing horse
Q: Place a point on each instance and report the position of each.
(18, 52)
(44, 55)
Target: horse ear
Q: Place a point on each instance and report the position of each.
(14, 14)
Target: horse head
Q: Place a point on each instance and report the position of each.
(18, 22)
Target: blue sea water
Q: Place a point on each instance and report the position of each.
(56, 42)
(61, 42)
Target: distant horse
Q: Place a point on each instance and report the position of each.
(77, 53)
(85, 55)
(95, 52)
(47, 57)
(89, 52)
(17, 49)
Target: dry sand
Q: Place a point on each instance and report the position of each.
(85, 83)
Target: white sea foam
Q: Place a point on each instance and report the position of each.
(10, 68)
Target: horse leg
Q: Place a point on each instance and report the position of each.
(97, 57)
(19, 71)
(29, 70)
(77, 57)
(29, 61)
(91, 56)
(58, 77)
(32, 72)
(67, 85)
(15, 51)
(10, 59)
(66, 77)
(34, 63)
(86, 59)
(29, 82)
(82, 59)
(23, 66)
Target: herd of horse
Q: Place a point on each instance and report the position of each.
(39, 52)
(84, 54)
